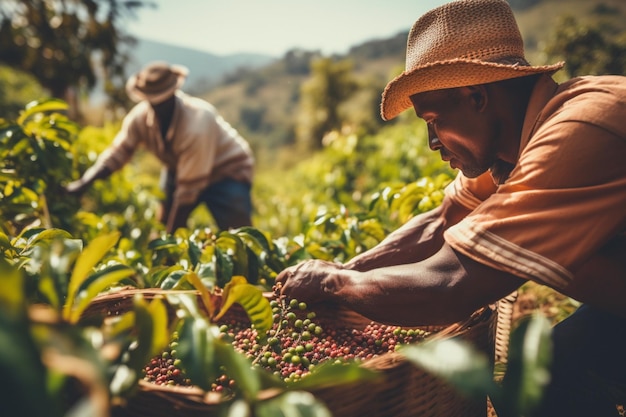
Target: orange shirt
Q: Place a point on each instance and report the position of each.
(200, 146)
(566, 197)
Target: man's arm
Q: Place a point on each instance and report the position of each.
(442, 289)
(416, 240)
(92, 174)
(610, 263)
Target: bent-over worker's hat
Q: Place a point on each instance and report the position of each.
(156, 82)
(465, 42)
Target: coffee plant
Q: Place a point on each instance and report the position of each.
(217, 325)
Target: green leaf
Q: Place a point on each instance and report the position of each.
(205, 296)
(160, 322)
(5, 243)
(194, 253)
(373, 228)
(292, 404)
(239, 368)
(157, 276)
(330, 374)
(174, 280)
(236, 249)
(251, 299)
(224, 267)
(92, 254)
(144, 326)
(457, 362)
(255, 239)
(187, 305)
(167, 243)
(528, 367)
(94, 285)
(23, 390)
(123, 381)
(35, 107)
(12, 298)
(47, 235)
(119, 325)
(48, 288)
(254, 264)
(196, 350)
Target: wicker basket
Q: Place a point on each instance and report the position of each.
(503, 328)
(403, 389)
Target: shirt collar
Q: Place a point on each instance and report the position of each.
(544, 90)
(151, 121)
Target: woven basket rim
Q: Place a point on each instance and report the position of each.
(194, 398)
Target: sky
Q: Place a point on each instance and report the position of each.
(273, 27)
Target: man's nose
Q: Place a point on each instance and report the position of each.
(433, 142)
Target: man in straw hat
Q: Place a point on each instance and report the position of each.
(205, 160)
(540, 196)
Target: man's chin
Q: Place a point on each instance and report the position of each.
(472, 173)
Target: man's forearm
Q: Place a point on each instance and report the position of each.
(445, 288)
(92, 174)
(416, 240)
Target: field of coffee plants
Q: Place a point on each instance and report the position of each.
(202, 309)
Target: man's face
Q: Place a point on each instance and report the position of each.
(458, 127)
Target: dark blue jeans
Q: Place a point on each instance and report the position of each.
(589, 366)
(229, 202)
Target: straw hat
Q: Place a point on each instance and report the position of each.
(465, 42)
(156, 82)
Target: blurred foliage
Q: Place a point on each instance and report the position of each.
(63, 365)
(41, 151)
(588, 49)
(126, 201)
(330, 84)
(346, 175)
(16, 89)
(34, 164)
(527, 370)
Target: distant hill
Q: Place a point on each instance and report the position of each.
(259, 94)
(263, 103)
(205, 69)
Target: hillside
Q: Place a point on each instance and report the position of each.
(205, 69)
(259, 95)
(263, 103)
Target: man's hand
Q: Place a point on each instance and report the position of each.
(80, 185)
(76, 187)
(304, 281)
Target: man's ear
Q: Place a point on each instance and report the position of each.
(477, 94)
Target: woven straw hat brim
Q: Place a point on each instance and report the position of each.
(449, 74)
(179, 75)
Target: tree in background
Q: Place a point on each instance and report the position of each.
(16, 89)
(64, 44)
(331, 84)
(588, 49)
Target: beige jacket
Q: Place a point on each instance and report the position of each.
(200, 146)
